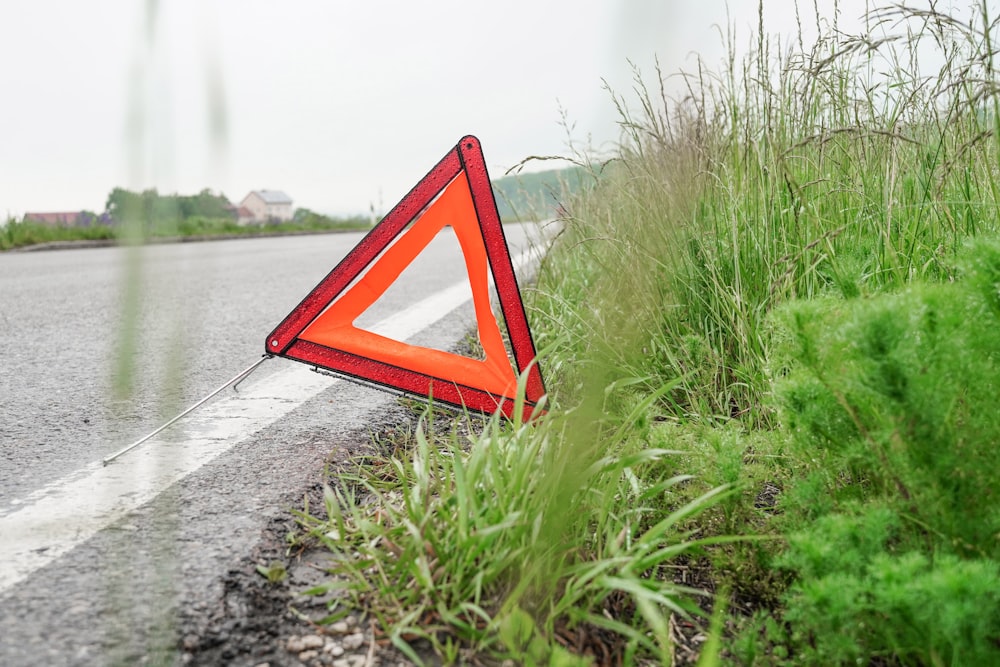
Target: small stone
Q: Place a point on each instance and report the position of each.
(334, 649)
(340, 628)
(295, 645)
(343, 662)
(353, 642)
(310, 642)
(351, 621)
(306, 656)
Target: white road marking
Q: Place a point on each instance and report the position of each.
(51, 521)
(59, 516)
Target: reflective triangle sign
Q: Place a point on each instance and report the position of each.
(320, 331)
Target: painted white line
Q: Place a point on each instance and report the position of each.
(58, 517)
(51, 521)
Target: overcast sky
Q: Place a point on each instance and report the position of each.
(343, 105)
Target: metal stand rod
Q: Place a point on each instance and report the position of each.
(236, 380)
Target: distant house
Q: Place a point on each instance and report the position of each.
(244, 216)
(266, 206)
(68, 219)
(241, 214)
(65, 219)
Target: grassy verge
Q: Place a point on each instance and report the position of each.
(17, 234)
(769, 330)
(532, 542)
(21, 234)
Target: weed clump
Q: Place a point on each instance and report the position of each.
(894, 536)
(520, 543)
(894, 398)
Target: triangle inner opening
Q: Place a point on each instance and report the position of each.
(439, 263)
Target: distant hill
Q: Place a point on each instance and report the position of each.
(537, 195)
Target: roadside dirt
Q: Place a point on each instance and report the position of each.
(261, 621)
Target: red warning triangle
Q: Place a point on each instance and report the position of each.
(320, 331)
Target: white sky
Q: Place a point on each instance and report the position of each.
(341, 104)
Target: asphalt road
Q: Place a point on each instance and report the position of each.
(118, 595)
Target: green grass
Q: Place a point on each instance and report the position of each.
(510, 539)
(17, 234)
(892, 525)
(769, 332)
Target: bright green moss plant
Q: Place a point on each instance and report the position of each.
(894, 538)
